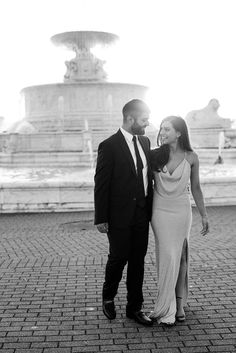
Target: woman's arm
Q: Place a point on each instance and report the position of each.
(197, 192)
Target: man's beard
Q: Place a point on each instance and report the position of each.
(137, 130)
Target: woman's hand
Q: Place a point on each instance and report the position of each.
(102, 227)
(205, 226)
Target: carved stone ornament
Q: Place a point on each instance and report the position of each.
(84, 66)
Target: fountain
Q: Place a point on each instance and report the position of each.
(47, 158)
(221, 145)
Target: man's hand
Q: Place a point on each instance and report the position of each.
(103, 227)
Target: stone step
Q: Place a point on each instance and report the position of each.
(210, 155)
(52, 159)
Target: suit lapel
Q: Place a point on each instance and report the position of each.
(141, 141)
(126, 150)
(145, 150)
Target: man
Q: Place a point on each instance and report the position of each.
(123, 202)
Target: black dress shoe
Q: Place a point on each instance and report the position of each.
(139, 317)
(108, 308)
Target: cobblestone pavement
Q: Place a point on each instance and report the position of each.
(51, 274)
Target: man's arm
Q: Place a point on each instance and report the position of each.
(102, 180)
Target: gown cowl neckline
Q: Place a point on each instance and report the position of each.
(175, 167)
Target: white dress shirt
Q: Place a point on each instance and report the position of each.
(129, 140)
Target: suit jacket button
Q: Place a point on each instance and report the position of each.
(134, 199)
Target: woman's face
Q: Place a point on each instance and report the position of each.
(168, 134)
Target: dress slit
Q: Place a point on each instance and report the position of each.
(186, 280)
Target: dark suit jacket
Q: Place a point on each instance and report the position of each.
(115, 181)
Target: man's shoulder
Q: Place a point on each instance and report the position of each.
(144, 139)
(109, 140)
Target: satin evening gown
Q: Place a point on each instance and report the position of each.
(171, 223)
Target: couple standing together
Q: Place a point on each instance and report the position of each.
(126, 201)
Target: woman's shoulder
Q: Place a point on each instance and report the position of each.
(191, 157)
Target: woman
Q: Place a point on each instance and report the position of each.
(174, 165)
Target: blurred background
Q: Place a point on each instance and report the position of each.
(183, 50)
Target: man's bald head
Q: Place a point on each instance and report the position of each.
(133, 108)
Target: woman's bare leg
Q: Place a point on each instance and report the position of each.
(179, 289)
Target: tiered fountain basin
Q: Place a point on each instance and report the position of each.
(55, 149)
(71, 189)
(47, 190)
(64, 116)
(208, 156)
(208, 138)
(219, 184)
(67, 106)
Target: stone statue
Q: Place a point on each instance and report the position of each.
(72, 69)
(84, 66)
(207, 117)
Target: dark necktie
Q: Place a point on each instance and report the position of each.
(140, 185)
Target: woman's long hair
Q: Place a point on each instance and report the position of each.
(160, 156)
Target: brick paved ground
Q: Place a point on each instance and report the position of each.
(52, 269)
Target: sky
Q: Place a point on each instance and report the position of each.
(183, 50)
